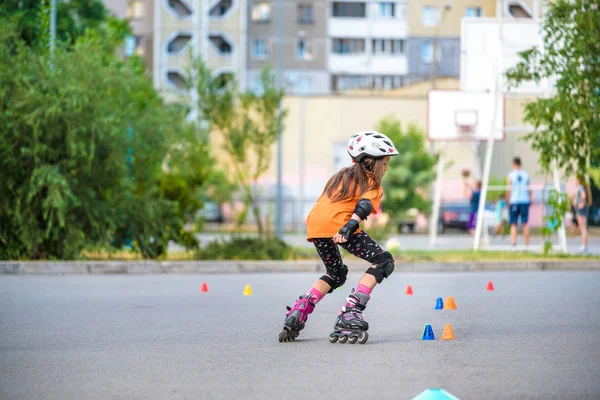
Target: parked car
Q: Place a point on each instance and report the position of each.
(456, 216)
(211, 212)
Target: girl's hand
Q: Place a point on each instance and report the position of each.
(339, 238)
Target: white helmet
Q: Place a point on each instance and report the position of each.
(370, 144)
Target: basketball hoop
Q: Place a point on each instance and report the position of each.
(466, 122)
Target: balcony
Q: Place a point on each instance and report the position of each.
(368, 64)
(354, 27)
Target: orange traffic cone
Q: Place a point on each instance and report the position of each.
(449, 303)
(490, 286)
(409, 291)
(448, 334)
(204, 287)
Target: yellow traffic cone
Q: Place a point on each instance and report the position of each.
(247, 290)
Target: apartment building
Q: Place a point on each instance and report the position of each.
(140, 14)
(367, 44)
(164, 31)
(328, 46)
(434, 27)
(291, 34)
(214, 29)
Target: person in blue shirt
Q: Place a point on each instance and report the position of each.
(520, 196)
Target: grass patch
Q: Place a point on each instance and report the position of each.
(307, 253)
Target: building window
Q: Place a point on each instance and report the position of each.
(430, 15)
(223, 79)
(387, 46)
(221, 8)
(518, 10)
(303, 51)
(221, 44)
(260, 49)
(348, 10)
(427, 52)
(178, 43)
(473, 12)
(180, 8)
(176, 79)
(305, 13)
(348, 46)
(134, 45)
(261, 12)
(135, 10)
(385, 9)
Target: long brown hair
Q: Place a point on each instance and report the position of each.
(588, 192)
(364, 176)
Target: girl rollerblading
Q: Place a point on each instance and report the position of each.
(349, 197)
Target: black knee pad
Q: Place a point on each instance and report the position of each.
(338, 280)
(384, 266)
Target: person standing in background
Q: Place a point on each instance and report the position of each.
(519, 198)
(500, 204)
(473, 192)
(581, 206)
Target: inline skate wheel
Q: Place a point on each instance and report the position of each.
(333, 339)
(353, 339)
(343, 339)
(363, 338)
(282, 336)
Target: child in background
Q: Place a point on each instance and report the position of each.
(473, 192)
(500, 205)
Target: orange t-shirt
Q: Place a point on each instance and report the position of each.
(326, 218)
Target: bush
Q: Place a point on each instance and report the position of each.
(245, 248)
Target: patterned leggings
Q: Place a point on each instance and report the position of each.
(360, 245)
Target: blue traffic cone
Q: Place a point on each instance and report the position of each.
(439, 304)
(428, 333)
(435, 394)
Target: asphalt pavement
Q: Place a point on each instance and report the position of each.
(156, 337)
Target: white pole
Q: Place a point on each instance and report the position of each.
(498, 89)
(562, 234)
(435, 214)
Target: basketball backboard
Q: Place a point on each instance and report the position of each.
(455, 115)
(489, 47)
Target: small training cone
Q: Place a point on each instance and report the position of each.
(435, 394)
(428, 333)
(439, 304)
(409, 291)
(247, 290)
(204, 287)
(449, 303)
(448, 333)
(490, 286)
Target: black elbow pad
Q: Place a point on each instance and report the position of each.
(363, 209)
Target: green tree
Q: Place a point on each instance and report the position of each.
(411, 173)
(72, 18)
(567, 125)
(84, 151)
(247, 125)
